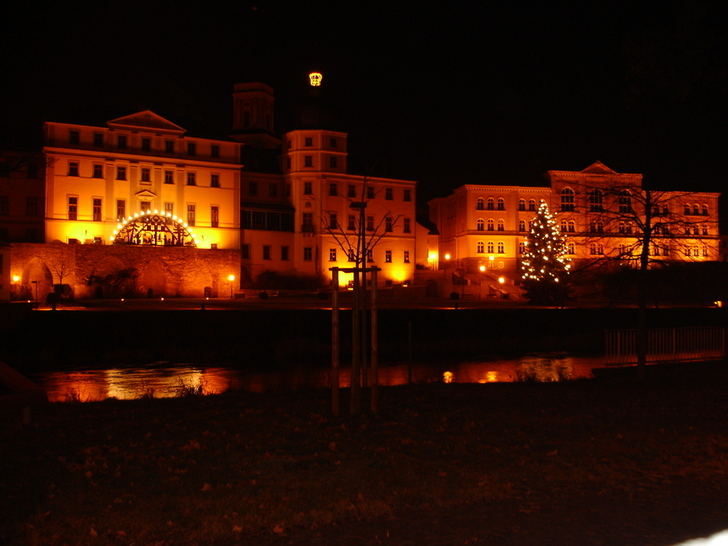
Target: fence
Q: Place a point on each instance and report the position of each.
(665, 344)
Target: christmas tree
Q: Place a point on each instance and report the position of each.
(544, 266)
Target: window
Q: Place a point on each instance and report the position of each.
(284, 253)
(307, 222)
(307, 254)
(408, 195)
(351, 191)
(501, 247)
(74, 137)
(191, 215)
(388, 194)
(705, 252)
(480, 247)
(252, 187)
(521, 225)
(191, 148)
(406, 257)
(571, 226)
(98, 139)
(73, 208)
(521, 247)
(705, 210)
(370, 223)
(146, 144)
(333, 162)
(308, 161)
(73, 168)
(686, 209)
(705, 229)
(214, 180)
(146, 205)
(333, 221)
(491, 224)
(307, 188)
(388, 224)
(266, 252)
(696, 209)
(596, 227)
(501, 204)
(332, 254)
(521, 204)
(351, 223)
(245, 251)
(624, 201)
(388, 256)
(333, 189)
(215, 150)
(531, 204)
(308, 141)
(567, 200)
(146, 174)
(96, 209)
(564, 226)
(31, 206)
(214, 216)
(407, 228)
(490, 205)
(121, 142)
(191, 179)
(169, 146)
(168, 207)
(350, 257)
(169, 177)
(370, 192)
(490, 247)
(98, 171)
(480, 224)
(570, 248)
(501, 225)
(120, 209)
(596, 201)
(596, 249)
(121, 173)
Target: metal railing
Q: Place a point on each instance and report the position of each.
(665, 344)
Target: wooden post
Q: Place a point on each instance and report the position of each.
(335, 409)
(375, 346)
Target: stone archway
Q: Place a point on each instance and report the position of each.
(37, 279)
(152, 280)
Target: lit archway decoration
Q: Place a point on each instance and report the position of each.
(153, 228)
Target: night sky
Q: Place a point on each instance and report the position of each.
(445, 95)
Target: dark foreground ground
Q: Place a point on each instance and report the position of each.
(601, 462)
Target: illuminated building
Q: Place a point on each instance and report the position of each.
(597, 208)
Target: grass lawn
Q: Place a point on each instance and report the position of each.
(574, 463)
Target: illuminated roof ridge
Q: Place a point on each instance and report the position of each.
(148, 120)
(599, 168)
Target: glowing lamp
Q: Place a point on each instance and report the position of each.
(447, 377)
(501, 280)
(16, 278)
(447, 256)
(111, 238)
(491, 258)
(432, 256)
(161, 299)
(231, 277)
(136, 215)
(315, 79)
(482, 268)
(156, 211)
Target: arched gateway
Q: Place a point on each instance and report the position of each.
(153, 228)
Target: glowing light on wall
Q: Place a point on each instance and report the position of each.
(315, 79)
(501, 280)
(16, 278)
(432, 256)
(447, 256)
(231, 277)
(447, 377)
(481, 268)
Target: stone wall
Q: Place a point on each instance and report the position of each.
(123, 270)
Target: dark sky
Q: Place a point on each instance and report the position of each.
(445, 95)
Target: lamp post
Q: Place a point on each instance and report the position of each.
(231, 278)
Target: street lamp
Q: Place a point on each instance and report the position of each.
(231, 278)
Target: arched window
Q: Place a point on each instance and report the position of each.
(521, 204)
(480, 225)
(705, 251)
(501, 204)
(479, 204)
(490, 224)
(490, 203)
(705, 229)
(625, 201)
(705, 210)
(564, 226)
(686, 209)
(531, 204)
(567, 200)
(570, 248)
(696, 230)
(490, 247)
(521, 248)
(501, 247)
(521, 225)
(596, 227)
(571, 226)
(596, 201)
(479, 247)
(501, 225)
(696, 209)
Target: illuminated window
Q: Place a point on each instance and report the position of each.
(98, 171)
(252, 187)
(351, 222)
(332, 254)
(521, 204)
(480, 247)
(333, 222)
(501, 225)
(96, 209)
(564, 226)
(168, 207)
(521, 248)
(370, 192)
(284, 253)
(333, 189)
(307, 254)
(490, 203)
(333, 162)
(146, 144)
(388, 194)
(388, 224)
(501, 205)
(214, 216)
(521, 225)
(308, 161)
(146, 174)
(74, 137)
(307, 188)
(121, 173)
(98, 139)
(73, 208)
(501, 247)
(624, 201)
(570, 226)
(490, 247)
(191, 148)
(480, 224)
(266, 252)
(388, 256)
(491, 224)
(191, 214)
(596, 201)
(531, 204)
(121, 142)
(169, 177)
(406, 256)
(169, 146)
(480, 204)
(406, 228)
(370, 223)
(214, 150)
(570, 248)
(567, 200)
(351, 190)
(145, 205)
(596, 249)
(120, 209)
(191, 179)
(408, 195)
(73, 168)
(214, 180)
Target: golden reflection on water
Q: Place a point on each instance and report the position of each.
(174, 381)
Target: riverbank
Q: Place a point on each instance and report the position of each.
(600, 462)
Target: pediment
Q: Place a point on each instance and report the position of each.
(145, 193)
(598, 168)
(146, 119)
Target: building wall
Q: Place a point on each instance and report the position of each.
(21, 197)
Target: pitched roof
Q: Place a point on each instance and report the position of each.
(598, 168)
(146, 119)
